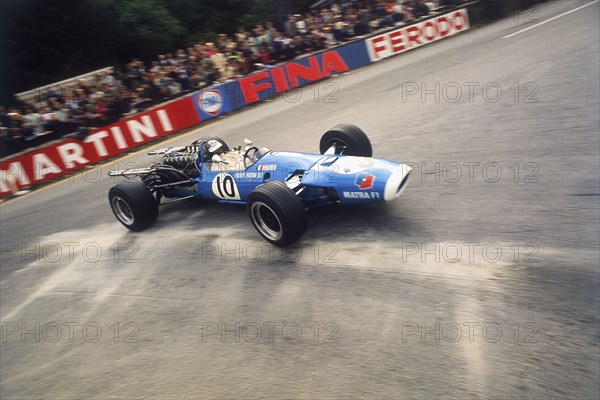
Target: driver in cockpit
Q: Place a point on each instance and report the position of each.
(215, 148)
(230, 160)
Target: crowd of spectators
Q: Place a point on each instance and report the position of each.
(108, 96)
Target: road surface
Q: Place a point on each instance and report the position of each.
(480, 281)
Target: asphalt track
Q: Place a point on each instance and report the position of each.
(480, 281)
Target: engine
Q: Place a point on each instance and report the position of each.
(183, 161)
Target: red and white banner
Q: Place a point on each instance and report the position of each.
(410, 37)
(70, 154)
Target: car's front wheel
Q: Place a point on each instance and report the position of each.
(277, 213)
(348, 139)
(133, 204)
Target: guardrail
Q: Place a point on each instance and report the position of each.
(68, 155)
(30, 96)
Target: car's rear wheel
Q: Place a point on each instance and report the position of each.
(277, 213)
(349, 140)
(133, 204)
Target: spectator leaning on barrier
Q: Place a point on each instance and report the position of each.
(108, 78)
(231, 69)
(419, 9)
(49, 119)
(409, 11)
(398, 12)
(300, 25)
(290, 26)
(33, 120)
(219, 61)
(17, 133)
(53, 94)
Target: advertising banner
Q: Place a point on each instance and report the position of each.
(410, 37)
(266, 84)
(71, 154)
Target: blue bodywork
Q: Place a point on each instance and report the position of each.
(317, 179)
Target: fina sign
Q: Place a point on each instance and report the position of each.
(211, 102)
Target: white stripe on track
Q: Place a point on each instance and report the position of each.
(549, 20)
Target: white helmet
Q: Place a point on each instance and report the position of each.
(214, 146)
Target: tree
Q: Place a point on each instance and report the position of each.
(45, 41)
(146, 28)
(50, 40)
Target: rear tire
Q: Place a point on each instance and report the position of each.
(277, 213)
(349, 139)
(133, 204)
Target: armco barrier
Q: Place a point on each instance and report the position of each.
(68, 155)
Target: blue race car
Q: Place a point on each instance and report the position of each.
(277, 187)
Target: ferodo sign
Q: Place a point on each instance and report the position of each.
(410, 37)
(68, 155)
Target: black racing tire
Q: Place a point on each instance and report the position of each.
(352, 140)
(276, 213)
(133, 204)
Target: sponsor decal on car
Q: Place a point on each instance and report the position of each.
(224, 187)
(364, 181)
(361, 195)
(267, 167)
(248, 175)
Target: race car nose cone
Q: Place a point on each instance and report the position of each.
(396, 182)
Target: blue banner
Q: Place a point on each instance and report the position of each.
(267, 83)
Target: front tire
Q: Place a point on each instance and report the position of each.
(277, 213)
(349, 139)
(133, 204)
